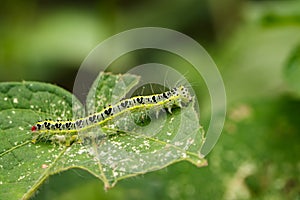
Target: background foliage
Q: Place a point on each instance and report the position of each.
(256, 47)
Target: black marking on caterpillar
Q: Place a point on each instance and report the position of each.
(66, 131)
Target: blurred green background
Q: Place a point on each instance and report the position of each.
(255, 44)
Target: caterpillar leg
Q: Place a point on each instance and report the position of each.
(66, 140)
(34, 139)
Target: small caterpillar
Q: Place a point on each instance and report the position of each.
(55, 130)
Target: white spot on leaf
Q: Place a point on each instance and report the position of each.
(15, 100)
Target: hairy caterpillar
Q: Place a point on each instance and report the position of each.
(66, 131)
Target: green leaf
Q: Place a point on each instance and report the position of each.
(24, 165)
(292, 70)
(110, 152)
